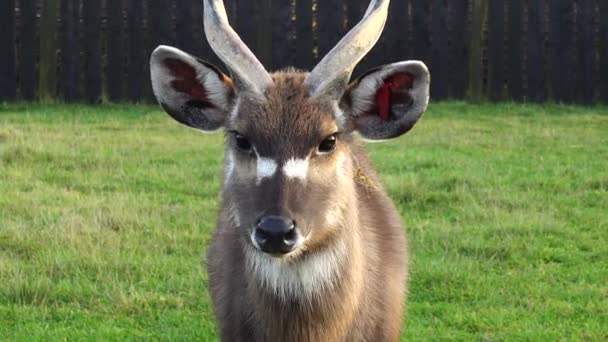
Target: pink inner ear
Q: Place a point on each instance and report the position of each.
(393, 84)
(186, 81)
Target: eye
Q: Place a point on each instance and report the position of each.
(328, 144)
(242, 143)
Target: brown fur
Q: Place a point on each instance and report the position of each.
(365, 302)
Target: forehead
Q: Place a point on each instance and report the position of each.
(287, 120)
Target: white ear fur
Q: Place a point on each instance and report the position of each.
(364, 95)
(217, 92)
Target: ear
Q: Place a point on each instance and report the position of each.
(193, 92)
(386, 102)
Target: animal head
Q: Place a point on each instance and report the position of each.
(289, 160)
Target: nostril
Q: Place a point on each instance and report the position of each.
(260, 236)
(291, 236)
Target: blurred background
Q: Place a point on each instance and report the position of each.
(98, 50)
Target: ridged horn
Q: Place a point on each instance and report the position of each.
(333, 72)
(245, 68)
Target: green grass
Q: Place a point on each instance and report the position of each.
(105, 212)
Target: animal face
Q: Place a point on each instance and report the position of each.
(287, 161)
(289, 164)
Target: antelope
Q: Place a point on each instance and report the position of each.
(308, 246)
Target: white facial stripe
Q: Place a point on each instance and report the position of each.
(235, 110)
(339, 116)
(296, 168)
(229, 167)
(266, 168)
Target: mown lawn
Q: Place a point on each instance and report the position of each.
(105, 211)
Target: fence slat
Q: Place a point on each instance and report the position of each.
(282, 35)
(536, 61)
(421, 44)
(28, 50)
(587, 51)
(115, 46)
(515, 54)
(92, 50)
(135, 47)
(304, 37)
(47, 70)
(440, 50)
(603, 51)
(330, 29)
(264, 11)
(8, 79)
(70, 51)
(396, 32)
(496, 28)
(246, 23)
(561, 52)
(459, 55)
(184, 25)
(161, 32)
(479, 14)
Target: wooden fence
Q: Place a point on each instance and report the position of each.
(98, 50)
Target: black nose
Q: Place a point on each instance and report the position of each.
(276, 234)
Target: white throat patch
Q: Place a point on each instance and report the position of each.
(307, 278)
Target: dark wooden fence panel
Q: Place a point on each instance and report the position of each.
(603, 46)
(8, 77)
(136, 51)
(161, 31)
(246, 23)
(421, 35)
(440, 49)
(523, 50)
(496, 39)
(70, 51)
(586, 51)
(304, 34)
(115, 83)
(561, 53)
(330, 28)
(536, 66)
(47, 70)
(515, 50)
(396, 33)
(479, 12)
(92, 50)
(459, 51)
(282, 35)
(28, 52)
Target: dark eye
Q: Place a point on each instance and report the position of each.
(242, 143)
(328, 144)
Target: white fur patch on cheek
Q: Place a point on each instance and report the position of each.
(266, 168)
(234, 215)
(340, 170)
(333, 216)
(296, 168)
